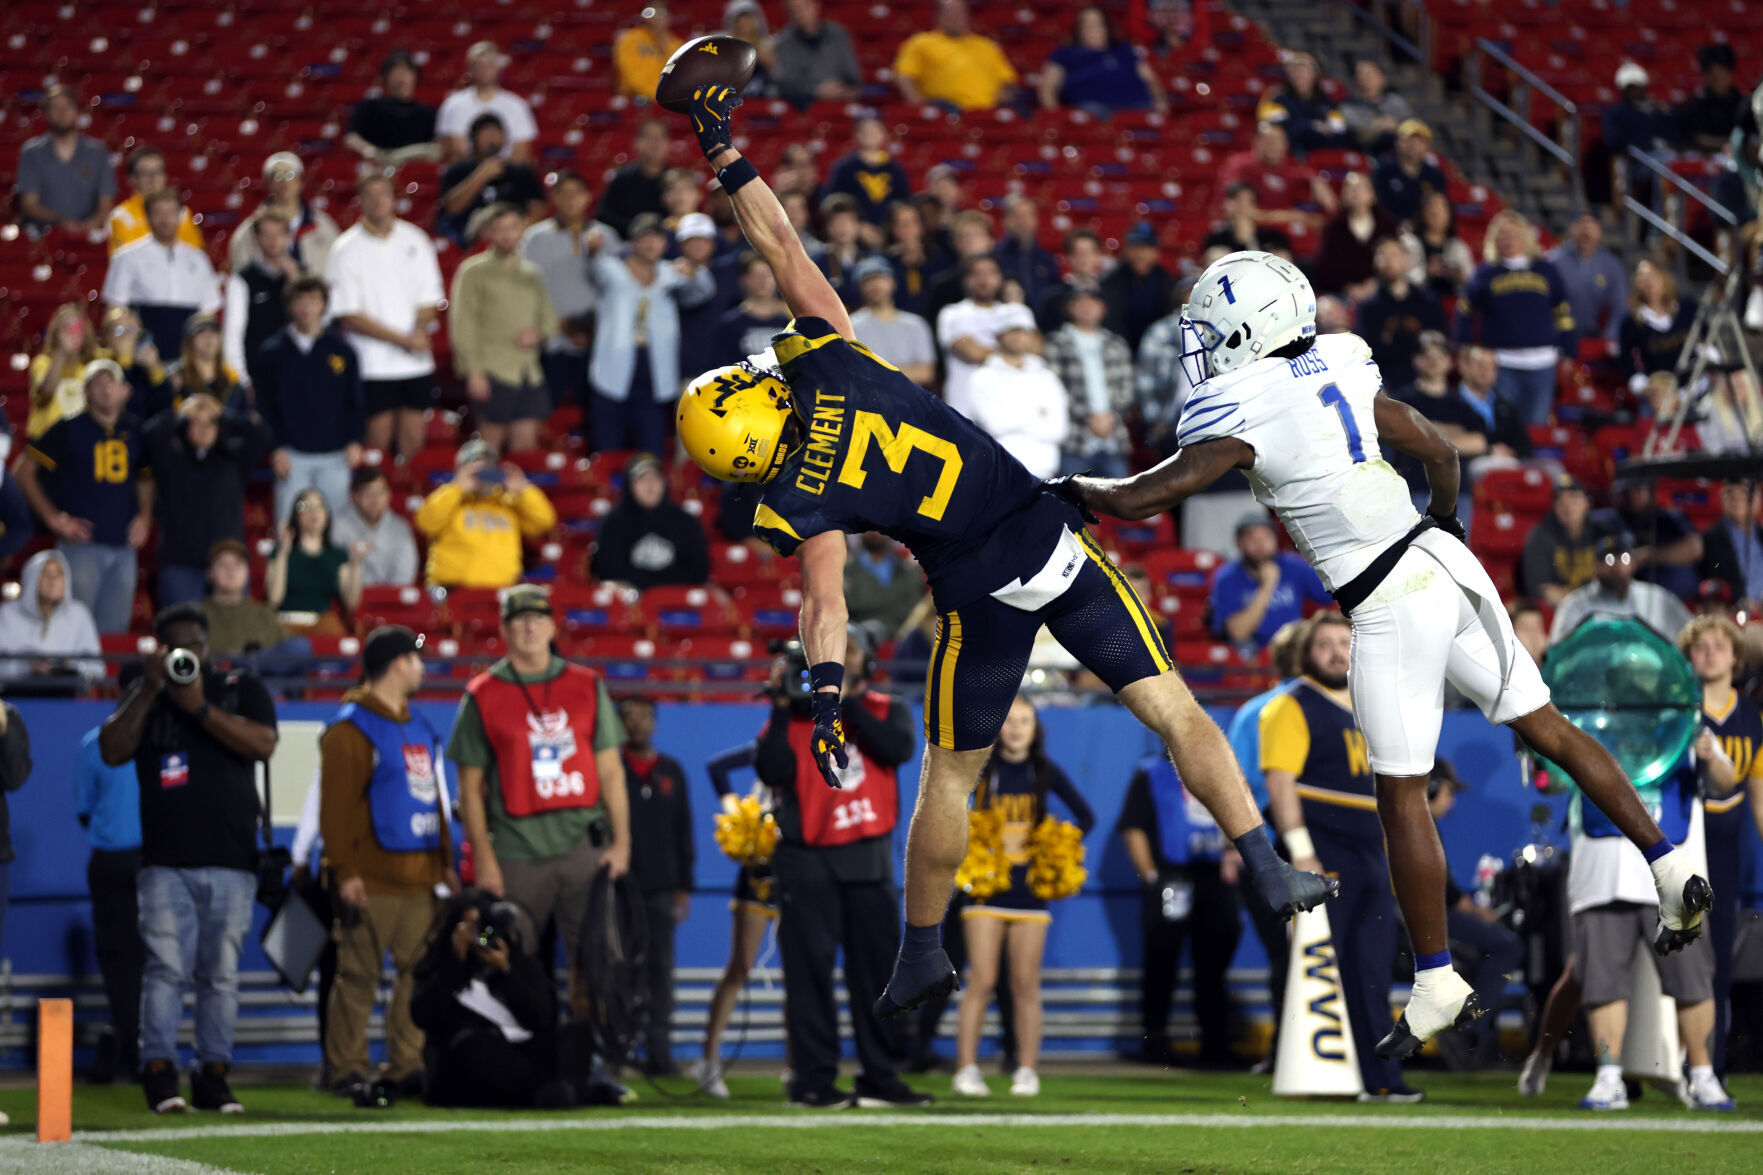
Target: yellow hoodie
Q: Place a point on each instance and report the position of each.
(475, 540)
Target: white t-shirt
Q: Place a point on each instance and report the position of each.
(461, 108)
(387, 279)
(1024, 408)
(964, 319)
(1605, 869)
(1317, 463)
(146, 273)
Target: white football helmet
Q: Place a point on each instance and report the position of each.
(1245, 306)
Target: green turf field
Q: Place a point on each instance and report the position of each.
(1171, 1122)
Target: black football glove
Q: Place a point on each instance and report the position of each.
(711, 108)
(1450, 524)
(829, 736)
(1066, 487)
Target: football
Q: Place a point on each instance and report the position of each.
(717, 60)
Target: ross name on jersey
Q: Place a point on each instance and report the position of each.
(823, 443)
(1309, 363)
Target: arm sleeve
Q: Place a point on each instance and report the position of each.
(609, 733)
(537, 515)
(15, 751)
(438, 508)
(1060, 785)
(728, 762)
(345, 767)
(772, 757)
(210, 291)
(1224, 599)
(888, 740)
(1135, 810)
(1285, 736)
(345, 293)
(116, 281)
(232, 323)
(463, 317)
(908, 63)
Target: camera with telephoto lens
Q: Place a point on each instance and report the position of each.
(794, 687)
(182, 666)
(498, 925)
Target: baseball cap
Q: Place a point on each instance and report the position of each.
(200, 322)
(644, 222)
(283, 160)
(1251, 520)
(642, 463)
(102, 365)
(1142, 233)
(476, 449)
(1413, 126)
(1616, 542)
(523, 598)
(385, 645)
(1015, 316)
(695, 226)
(1566, 483)
(1630, 74)
(871, 267)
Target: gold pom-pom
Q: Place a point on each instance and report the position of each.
(1056, 860)
(985, 870)
(745, 831)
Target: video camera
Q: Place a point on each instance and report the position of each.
(794, 688)
(182, 666)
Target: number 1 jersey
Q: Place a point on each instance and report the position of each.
(881, 453)
(1317, 462)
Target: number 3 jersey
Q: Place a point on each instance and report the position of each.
(878, 452)
(1317, 463)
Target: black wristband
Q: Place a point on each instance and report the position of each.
(826, 675)
(737, 175)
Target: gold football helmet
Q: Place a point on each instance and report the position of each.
(732, 421)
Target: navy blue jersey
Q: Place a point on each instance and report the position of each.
(881, 453)
(1740, 731)
(92, 472)
(1310, 732)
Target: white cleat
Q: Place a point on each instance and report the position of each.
(1534, 1076)
(1706, 1093)
(969, 1082)
(708, 1075)
(1450, 1003)
(1025, 1082)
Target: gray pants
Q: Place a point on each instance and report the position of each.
(103, 578)
(556, 887)
(1606, 938)
(327, 473)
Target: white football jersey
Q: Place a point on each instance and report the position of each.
(1317, 463)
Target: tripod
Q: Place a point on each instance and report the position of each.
(1716, 343)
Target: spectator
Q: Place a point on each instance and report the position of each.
(1262, 589)
(107, 801)
(1344, 263)
(1732, 549)
(970, 235)
(1406, 176)
(1706, 119)
(639, 52)
(1560, 552)
(202, 460)
(257, 295)
(634, 371)
(871, 176)
(1392, 319)
(1466, 420)
(162, 279)
(1636, 120)
(914, 262)
(954, 65)
(368, 523)
(83, 479)
(635, 188)
(649, 540)
(1667, 548)
(475, 523)
(1020, 254)
(1095, 366)
(386, 293)
(1597, 289)
(312, 233)
(1160, 381)
(128, 220)
(1242, 227)
(386, 820)
(312, 400)
(558, 246)
(239, 625)
(200, 368)
(499, 316)
(967, 331)
(391, 128)
(662, 856)
(746, 329)
(16, 526)
(1517, 304)
(798, 169)
(1302, 106)
(1448, 261)
(838, 261)
(1017, 398)
(483, 179)
(1614, 593)
(680, 196)
(485, 95)
(1333, 315)
(899, 336)
(1099, 71)
(882, 586)
(1138, 290)
(745, 20)
(815, 60)
(533, 841)
(1658, 321)
(134, 352)
(1086, 263)
(58, 372)
(64, 177)
(309, 576)
(1529, 627)
(1374, 111)
(48, 640)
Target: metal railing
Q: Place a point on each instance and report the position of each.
(1672, 195)
(1516, 111)
(1417, 50)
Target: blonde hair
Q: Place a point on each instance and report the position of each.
(1714, 622)
(1283, 649)
(64, 314)
(1527, 236)
(1667, 283)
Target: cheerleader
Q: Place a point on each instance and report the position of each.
(1015, 781)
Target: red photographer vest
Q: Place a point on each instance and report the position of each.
(869, 804)
(543, 737)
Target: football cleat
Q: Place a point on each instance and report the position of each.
(1428, 1015)
(915, 983)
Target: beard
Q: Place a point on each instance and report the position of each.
(1336, 681)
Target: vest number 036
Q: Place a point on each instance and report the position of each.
(567, 783)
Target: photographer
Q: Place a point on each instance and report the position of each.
(195, 738)
(835, 874)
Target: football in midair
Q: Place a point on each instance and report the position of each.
(717, 60)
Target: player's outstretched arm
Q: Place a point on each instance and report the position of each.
(1160, 487)
(799, 281)
(1405, 429)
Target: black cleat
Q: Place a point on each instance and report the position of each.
(830, 1098)
(1290, 892)
(1401, 1043)
(1698, 898)
(915, 983)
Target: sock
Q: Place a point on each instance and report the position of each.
(1609, 1071)
(1701, 1073)
(1258, 852)
(920, 942)
(1659, 850)
(1424, 963)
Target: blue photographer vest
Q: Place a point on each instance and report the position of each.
(1185, 828)
(403, 792)
(1670, 802)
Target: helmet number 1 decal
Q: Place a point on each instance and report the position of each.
(1224, 284)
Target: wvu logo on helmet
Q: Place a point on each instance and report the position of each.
(731, 421)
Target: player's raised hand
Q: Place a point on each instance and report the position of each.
(829, 736)
(711, 109)
(1069, 488)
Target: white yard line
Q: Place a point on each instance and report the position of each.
(19, 1156)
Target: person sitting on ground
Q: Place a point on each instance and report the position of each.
(47, 638)
(648, 539)
(309, 576)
